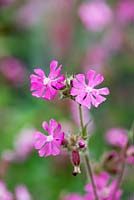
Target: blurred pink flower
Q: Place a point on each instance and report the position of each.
(46, 87)
(86, 94)
(49, 145)
(22, 193)
(117, 137)
(6, 2)
(95, 15)
(24, 140)
(13, 69)
(97, 57)
(104, 189)
(30, 13)
(87, 118)
(125, 11)
(130, 154)
(73, 196)
(113, 40)
(4, 193)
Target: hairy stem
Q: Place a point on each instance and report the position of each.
(90, 172)
(87, 160)
(81, 117)
(120, 177)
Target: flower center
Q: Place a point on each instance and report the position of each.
(105, 192)
(46, 81)
(88, 89)
(50, 138)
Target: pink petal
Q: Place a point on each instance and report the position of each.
(46, 151)
(90, 77)
(47, 94)
(87, 101)
(102, 91)
(100, 99)
(58, 138)
(53, 92)
(80, 97)
(39, 72)
(34, 78)
(74, 91)
(36, 86)
(53, 66)
(81, 79)
(45, 126)
(40, 140)
(98, 79)
(55, 150)
(94, 101)
(77, 84)
(38, 93)
(57, 129)
(53, 126)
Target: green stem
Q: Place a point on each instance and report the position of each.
(86, 158)
(81, 117)
(120, 177)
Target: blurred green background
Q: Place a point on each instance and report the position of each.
(32, 33)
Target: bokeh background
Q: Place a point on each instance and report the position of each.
(81, 35)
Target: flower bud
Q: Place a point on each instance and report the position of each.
(75, 157)
(111, 162)
(76, 162)
(82, 144)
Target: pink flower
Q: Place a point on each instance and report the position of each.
(86, 94)
(130, 155)
(22, 193)
(104, 190)
(24, 140)
(73, 196)
(4, 193)
(46, 87)
(13, 69)
(117, 137)
(49, 145)
(125, 11)
(87, 118)
(95, 15)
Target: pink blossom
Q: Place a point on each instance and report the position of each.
(125, 11)
(4, 193)
(73, 196)
(22, 193)
(87, 118)
(49, 145)
(117, 137)
(6, 2)
(13, 69)
(86, 94)
(46, 87)
(95, 15)
(97, 56)
(130, 155)
(24, 140)
(104, 190)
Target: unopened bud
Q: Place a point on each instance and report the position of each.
(82, 144)
(111, 162)
(64, 142)
(76, 170)
(76, 157)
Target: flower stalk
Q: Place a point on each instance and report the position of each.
(86, 159)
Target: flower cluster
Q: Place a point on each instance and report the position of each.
(74, 88)
(83, 91)
(21, 193)
(105, 190)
